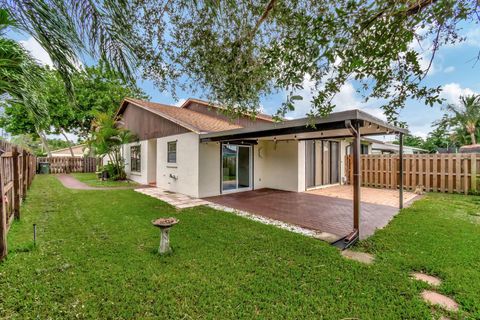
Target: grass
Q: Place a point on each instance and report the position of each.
(92, 180)
(96, 258)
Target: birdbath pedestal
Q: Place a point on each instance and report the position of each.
(164, 224)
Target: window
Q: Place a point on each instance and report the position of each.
(172, 152)
(135, 158)
(364, 149)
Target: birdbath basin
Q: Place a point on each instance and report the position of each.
(164, 224)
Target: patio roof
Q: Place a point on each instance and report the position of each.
(336, 125)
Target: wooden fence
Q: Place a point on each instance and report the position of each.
(452, 173)
(17, 169)
(70, 164)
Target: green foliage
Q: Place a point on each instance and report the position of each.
(97, 89)
(464, 118)
(96, 257)
(412, 141)
(21, 78)
(107, 139)
(239, 51)
(440, 138)
(92, 180)
(33, 143)
(71, 29)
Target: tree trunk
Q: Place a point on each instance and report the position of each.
(44, 140)
(68, 141)
(474, 139)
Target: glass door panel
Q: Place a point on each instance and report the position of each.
(229, 167)
(243, 167)
(236, 167)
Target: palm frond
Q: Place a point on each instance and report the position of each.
(70, 29)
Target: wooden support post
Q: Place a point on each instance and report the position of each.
(400, 168)
(16, 183)
(357, 176)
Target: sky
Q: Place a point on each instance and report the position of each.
(454, 69)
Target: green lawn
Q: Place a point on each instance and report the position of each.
(92, 180)
(96, 258)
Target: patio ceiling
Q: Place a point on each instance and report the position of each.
(336, 125)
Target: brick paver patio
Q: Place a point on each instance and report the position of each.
(309, 210)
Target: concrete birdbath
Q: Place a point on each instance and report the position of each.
(164, 224)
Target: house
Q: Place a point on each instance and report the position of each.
(195, 150)
(380, 147)
(78, 151)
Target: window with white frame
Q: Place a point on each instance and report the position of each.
(172, 152)
(135, 158)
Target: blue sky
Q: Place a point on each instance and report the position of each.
(454, 69)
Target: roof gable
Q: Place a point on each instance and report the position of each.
(191, 120)
(260, 116)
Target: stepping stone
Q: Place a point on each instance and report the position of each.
(358, 256)
(438, 299)
(431, 280)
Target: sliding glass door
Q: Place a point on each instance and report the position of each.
(236, 167)
(322, 163)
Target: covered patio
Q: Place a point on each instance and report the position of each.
(315, 211)
(350, 219)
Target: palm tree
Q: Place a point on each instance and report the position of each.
(70, 29)
(107, 138)
(466, 115)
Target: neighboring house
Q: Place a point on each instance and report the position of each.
(195, 150)
(78, 151)
(380, 147)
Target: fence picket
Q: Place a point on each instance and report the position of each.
(17, 168)
(439, 172)
(71, 164)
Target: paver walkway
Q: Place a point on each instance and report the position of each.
(386, 197)
(71, 182)
(178, 200)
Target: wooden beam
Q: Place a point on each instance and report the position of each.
(357, 176)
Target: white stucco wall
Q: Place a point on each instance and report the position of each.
(209, 169)
(182, 176)
(282, 166)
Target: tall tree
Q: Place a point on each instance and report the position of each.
(465, 115)
(238, 51)
(97, 89)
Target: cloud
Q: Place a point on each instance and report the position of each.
(473, 37)
(37, 51)
(451, 92)
(346, 99)
(449, 69)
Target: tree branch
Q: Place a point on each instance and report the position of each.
(264, 16)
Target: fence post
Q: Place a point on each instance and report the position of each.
(3, 215)
(16, 183)
(473, 173)
(24, 173)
